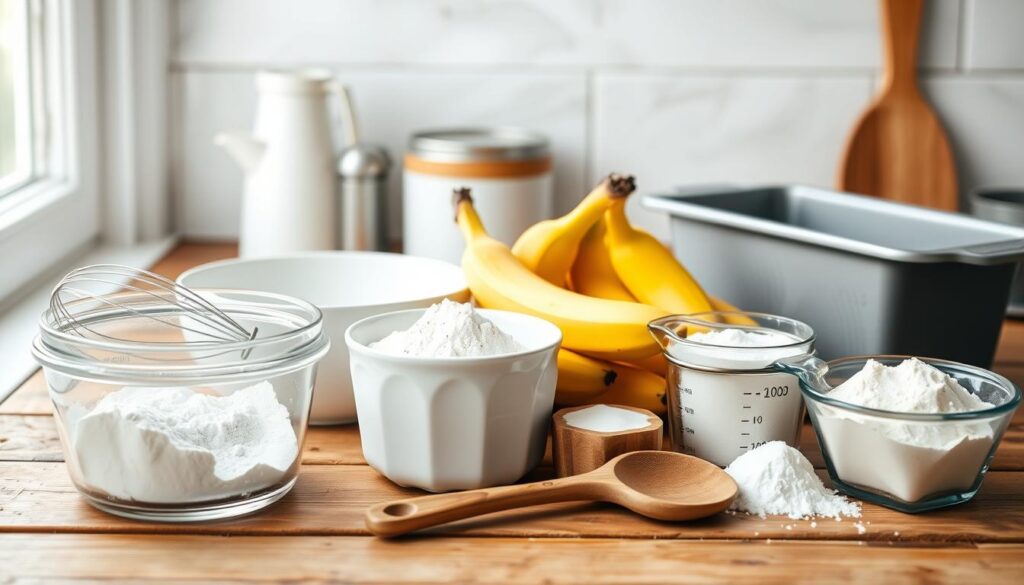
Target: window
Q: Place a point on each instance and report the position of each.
(49, 206)
(15, 96)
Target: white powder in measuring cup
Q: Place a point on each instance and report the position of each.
(602, 418)
(777, 479)
(449, 329)
(909, 460)
(742, 337)
(736, 349)
(175, 445)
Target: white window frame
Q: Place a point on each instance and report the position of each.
(25, 165)
(59, 214)
(109, 200)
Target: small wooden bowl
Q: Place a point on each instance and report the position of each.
(576, 450)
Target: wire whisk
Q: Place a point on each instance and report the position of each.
(84, 290)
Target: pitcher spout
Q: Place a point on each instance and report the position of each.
(810, 369)
(241, 146)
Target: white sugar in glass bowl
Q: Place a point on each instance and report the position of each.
(445, 424)
(346, 286)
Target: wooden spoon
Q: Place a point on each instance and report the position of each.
(657, 484)
(898, 149)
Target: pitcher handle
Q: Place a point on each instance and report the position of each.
(347, 111)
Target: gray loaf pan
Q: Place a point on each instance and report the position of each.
(870, 276)
(1003, 205)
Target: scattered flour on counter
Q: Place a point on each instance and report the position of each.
(606, 419)
(175, 445)
(777, 479)
(742, 338)
(449, 329)
(909, 460)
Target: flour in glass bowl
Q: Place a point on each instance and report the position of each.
(907, 459)
(175, 445)
(449, 329)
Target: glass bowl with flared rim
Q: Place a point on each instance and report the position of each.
(911, 462)
(132, 342)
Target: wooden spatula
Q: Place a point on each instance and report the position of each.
(898, 148)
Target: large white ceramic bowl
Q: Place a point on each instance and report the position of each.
(347, 287)
(454, 423)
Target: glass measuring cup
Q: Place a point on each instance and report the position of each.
(723, 400)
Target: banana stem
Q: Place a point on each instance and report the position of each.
(613, 189)
(615, 220)
(466, 216)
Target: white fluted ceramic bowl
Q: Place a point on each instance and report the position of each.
(444, 424)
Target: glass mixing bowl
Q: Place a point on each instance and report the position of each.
(909, 462)
(147, 345)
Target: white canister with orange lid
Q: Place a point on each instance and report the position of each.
(508, 169)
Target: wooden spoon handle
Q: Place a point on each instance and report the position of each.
(402, 516)
(901, 27)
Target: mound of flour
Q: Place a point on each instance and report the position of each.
(175, 445)
(449, 329)
(911, 386)
(777, 479)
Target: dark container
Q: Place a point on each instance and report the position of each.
(870, 276)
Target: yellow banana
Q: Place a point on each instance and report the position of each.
(608, 329)
(655, 363)
(635, 387)
(648, 269)
(720, 305)
(581, 378)
(549, 247)
(593, 275)
(592, 272)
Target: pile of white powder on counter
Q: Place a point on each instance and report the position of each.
(777, 479)
(449, 329)
(909, 460)
(175, 445)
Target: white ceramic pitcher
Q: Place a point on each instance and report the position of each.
(290, 200)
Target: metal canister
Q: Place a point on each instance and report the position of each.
(507, 169)
(363, 171)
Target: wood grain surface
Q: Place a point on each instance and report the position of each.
(331, 500)
(317, 532)
(123, 558)
(113, 558)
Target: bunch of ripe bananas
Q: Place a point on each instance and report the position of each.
(597, 278)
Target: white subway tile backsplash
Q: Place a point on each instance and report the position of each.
(673, 131)
(675, 91)
(985, 122)
(686, 33)
(775, 33)
(390, 105)
(993, 34)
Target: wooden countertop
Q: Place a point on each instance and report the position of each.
(316, 533)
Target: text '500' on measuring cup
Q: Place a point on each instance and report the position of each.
(724, 396)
